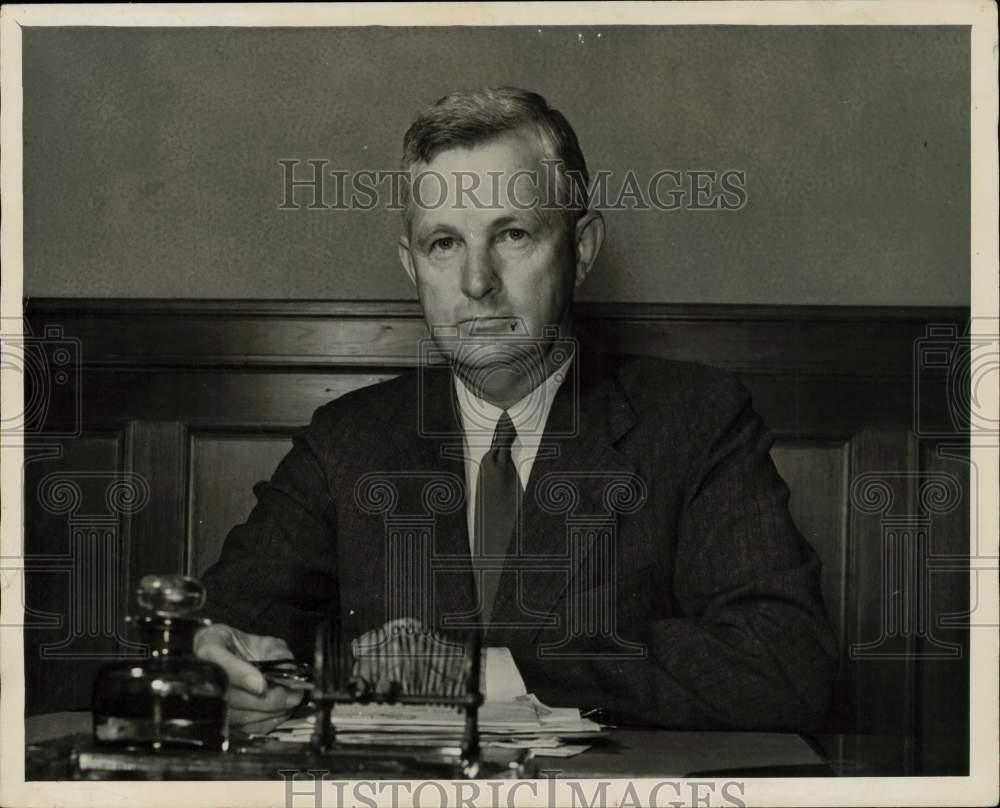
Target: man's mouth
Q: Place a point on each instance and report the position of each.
(492, 326)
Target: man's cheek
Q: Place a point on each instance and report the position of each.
(433, 296)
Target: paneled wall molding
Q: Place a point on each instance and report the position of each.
(256, 334)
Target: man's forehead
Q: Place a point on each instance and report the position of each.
(515, 158)
(522, 148)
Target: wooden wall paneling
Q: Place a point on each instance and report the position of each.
(157, 455)
(165, 333)
(73, 617)
(816, 470)
(817, 406)
(816, 474)
(882, 661)
(213, 333)
(224, 469)
(943, 676)
(227, 398)
(857, 340)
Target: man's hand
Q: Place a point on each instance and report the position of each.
(253, 704)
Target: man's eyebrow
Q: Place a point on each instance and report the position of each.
(531, 214)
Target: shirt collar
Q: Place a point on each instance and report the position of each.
(479, 417)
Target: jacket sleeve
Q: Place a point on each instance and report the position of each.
(752, 648)
(277, 573)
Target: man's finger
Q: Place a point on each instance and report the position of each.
(275, 700)
(256, 723)
(274, 648)
(242, 675)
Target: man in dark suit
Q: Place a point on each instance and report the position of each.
(616, 522)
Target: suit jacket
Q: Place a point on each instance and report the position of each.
(655, 571)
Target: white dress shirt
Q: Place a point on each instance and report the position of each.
(479, 422)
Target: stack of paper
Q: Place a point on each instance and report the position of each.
(521, 723)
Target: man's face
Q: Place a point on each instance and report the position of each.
(494, 272)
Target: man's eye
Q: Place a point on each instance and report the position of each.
(444, 244)
(514, 234)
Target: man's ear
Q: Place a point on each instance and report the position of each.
(589, 238)
(406, 259)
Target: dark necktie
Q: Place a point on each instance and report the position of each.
(498, 492)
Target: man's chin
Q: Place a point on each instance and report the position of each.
(497, 366)
(519, 356)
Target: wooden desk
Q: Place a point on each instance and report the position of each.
(649, 753)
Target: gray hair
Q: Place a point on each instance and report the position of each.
(472, 117)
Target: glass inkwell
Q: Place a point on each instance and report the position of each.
(172, 698)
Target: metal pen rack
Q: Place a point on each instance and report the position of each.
(419, 669)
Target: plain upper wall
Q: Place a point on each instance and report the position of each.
(151, 156)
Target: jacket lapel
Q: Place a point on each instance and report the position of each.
(569, 482)
(431, 439)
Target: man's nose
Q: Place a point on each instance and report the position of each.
(479, 277)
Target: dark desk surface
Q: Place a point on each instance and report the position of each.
(650, 753)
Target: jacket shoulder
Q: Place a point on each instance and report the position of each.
(366, 408)
(652, 383)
